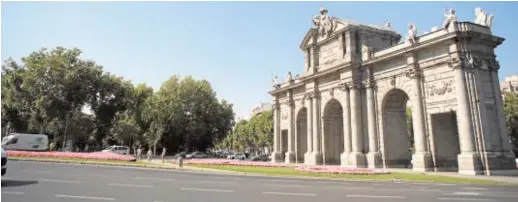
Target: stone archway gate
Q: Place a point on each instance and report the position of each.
(449, 70)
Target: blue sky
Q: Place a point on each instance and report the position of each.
(237, 46)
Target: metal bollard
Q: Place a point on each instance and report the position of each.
(179, 162)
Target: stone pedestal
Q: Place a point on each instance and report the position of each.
(374, 160)
(277, 157)
(307, 159)
(501, 164)
(469, 164)
(315, 158)
(357, 160)
(344, 159)
(422, 162)
(289, 157)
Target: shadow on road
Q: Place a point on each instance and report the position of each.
(17, 183)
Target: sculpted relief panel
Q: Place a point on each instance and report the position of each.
(329, 53)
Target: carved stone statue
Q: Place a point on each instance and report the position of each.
(450, 18)
(275, 80)
(289, 78)
(411, 35)
(482, 18)
(388, 25)
(324, 23)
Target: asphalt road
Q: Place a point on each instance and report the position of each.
(54, 182)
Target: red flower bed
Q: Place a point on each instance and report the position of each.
(234, 162)
(302, 168)
(72, 155)
(341, 170)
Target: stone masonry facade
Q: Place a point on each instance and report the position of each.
(348, 106)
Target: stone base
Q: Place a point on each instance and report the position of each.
(277, 157)
(422, 162)
(289, 157)
(374, 160)
(344, 159)
(501, 164)
(469, 164)
(357, 160)
(307, 159)
(315, 158)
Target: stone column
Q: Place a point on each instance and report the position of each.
(276, 154)
(344, 157)
(373, 157)
(468, 159)
(317, 151)
(357, 157)
(422, 160)
(290, 154)
(309, 110)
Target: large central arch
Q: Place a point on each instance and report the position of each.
(333, 132)
(397, 139)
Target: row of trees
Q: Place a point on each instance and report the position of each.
(511, 118)
(48, 90)
(254, 134)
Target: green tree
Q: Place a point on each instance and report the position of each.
(511, 117)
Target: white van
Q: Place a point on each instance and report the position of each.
(24, 141)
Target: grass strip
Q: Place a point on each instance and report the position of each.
(398, 176)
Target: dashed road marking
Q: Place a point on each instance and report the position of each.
(465, 199)
(289, 194)
(207, 190)
(12, 193)
(85, 197)
(372, 196)
(130, 185)
(58, 181)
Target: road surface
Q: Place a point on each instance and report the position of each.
(54, 182)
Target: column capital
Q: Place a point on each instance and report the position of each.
(312, 95)
(343, 86)
(494, 65)
(353, 85)
(457, 62)
(276, 106)
(413, 72)
(369, 83)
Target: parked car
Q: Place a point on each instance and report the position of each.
(261, 157)
(123, 150)
(240, 156)
(26, 142)
(182, 154)
(4, 162)
(196, 155)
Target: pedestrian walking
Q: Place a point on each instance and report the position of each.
(139, 153)
(149, 153)
(163, 154)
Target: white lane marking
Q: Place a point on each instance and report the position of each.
(371, 196)
(283, 185)
(85, 197)
(130, 185)
(59, 181)
(12, 193)
(216, 182)
(289, 194)
(467, 193)
(278, 180)
(465, 199)
(475, 188)
(154, 178)
(206, 190)
(157, 201)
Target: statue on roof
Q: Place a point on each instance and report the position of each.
(388, 25)
(325, 24)
(450, 18)
(289, 78)
(482, 18)
(411, 35)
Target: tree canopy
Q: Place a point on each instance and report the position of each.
(47, 91)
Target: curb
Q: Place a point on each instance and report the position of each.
(98, 163)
